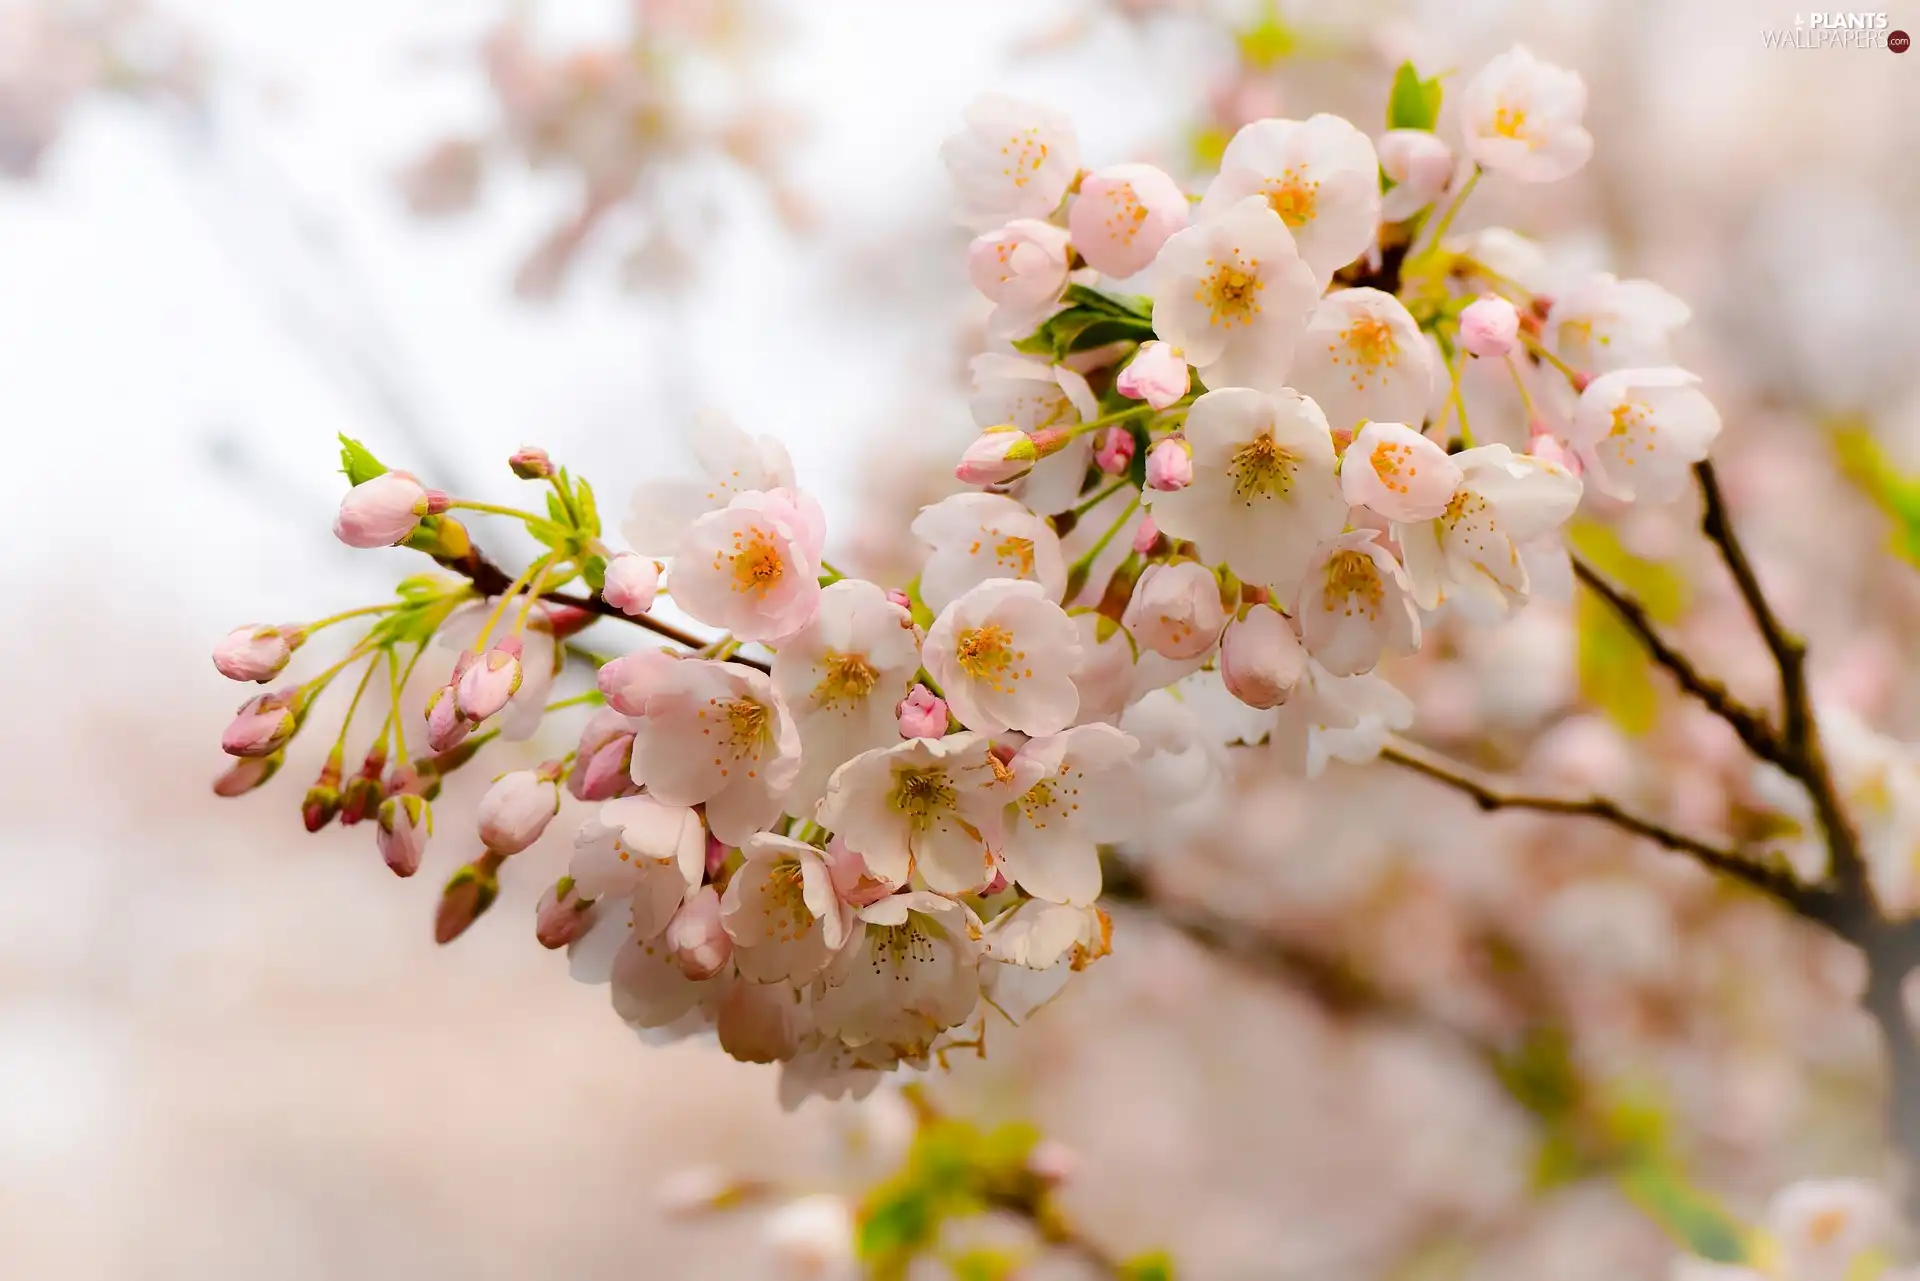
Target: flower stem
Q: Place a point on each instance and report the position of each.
(344, 615)
(1573, 375)
(578, 700)
(395, 718)
(1446, 218)
(1101, 497)
(494, 509)
(346, 722)
(506, 599)
(1092, 553)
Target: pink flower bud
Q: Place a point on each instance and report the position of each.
(1420, 165)
(516, 810)
(1114, 451)
(1146, 535)
(1261, 658)
(922, 713)
(242, 776)
(262, 726)
(997, 455)
(900, 599)
(853, 881)
(1176, 610)
(562, 915)
(1022, 266)
(365, 790)
(718, 852)
(405, 822)
(381, 512)
(255, 652)
(603, 758)
(1489, 327)
(1122, 215)
(469, 892)
(323, 798)
(699, 943)
(632, 582)
(1169, 465)
(994, 886)
(630, 680)
(446, 727)
(1053, 1162)
(1549, 448)
(530, 462)
(1157, 375)
(493, 679)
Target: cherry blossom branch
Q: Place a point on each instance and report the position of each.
(490, 580)
(1813, 902)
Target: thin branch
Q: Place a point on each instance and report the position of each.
(1811, 902)
(490, 580)
(1750, 725)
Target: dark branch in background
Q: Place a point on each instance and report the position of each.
(1843, 902)
(490, 580)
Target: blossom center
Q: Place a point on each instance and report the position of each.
(1393, 464)
(1629, 418)
(900, 946)
(749, 724)
(1232, 291)
(1510, 121)
(1263, 466)
(784, 905)
(1293, 196)
(923, 795)
(1016, 553)
(758, 565)
(986, 653)
(1367, 346)
(1126, 215)
(1023, 154)
(1352, 584)
(1826, 1226)
(848, 679)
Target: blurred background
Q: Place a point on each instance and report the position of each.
(231, 230)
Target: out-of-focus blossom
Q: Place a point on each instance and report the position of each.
(1522, 118)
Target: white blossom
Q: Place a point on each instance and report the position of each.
(1522, 118)
(1037, 397)
(928, 804)
(717, 733)
(912, 972)
(1356, 605)
(1233, 296)
(1363, 357)
(1014, 160)
(1638, 431)
(1004, 656)
(1264, 491)
(1320, 175)
(1602, 323)
(975, 537)
(1049, 845)
(731, 463)
(781, 911)
(1505, 501)
(752, 568)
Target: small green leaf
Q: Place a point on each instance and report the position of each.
(1154, 1266)
(1119, 306)
(594, 570)
(1867, 465)
(589, 510)
(358, 462)
(422, 587)
(983, 1263)
(1090, 319)
(415, 624)
(557, 511)
(1414, 103)
(1689, 1215)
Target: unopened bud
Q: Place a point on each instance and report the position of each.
(998, 455)
(1261, 658)
(492, 679)
(323, 798)
(900, 598)
(256, 652)
(530, 462)
(853, 881)
(381, 512)
(1146, 537)
(922, 713)
(562, 915)
(1489, 327)
(516, 810)
(468, 894)
(1170, 465)
(262, 726)
(718, 852)
(446, 727)
(632, 583)
(1114, 452)
(1157, 375)
(1420, 166)
(1053, 1162)
(405, 822)
(700, 944)
(242, 776)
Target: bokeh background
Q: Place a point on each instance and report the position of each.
(229, 230)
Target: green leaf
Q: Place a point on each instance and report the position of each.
(358, 462)
(422, 587)
(983, 1263)
(594, 570)
(415, 624)
(1154, 1266)
(1690, 1216)
(589, 510)
(1090, 319)
(1413, 103)
(1867, 465)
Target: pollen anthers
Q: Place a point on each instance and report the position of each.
(1510, 121)
(1351, 577)
(1627, 418)
(1025, 151)
(1231, 290)
(1293, 196)
(1127, 215)
(923, 794)
(848, 679)
(986, 653)
(901, 946)
(1393, 463)
(784, 906)
(745, 725)
(1367, 346)
(757, 564)
(1263, 466)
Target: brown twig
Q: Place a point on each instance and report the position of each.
(490, 580)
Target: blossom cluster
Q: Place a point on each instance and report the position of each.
(850, 820)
